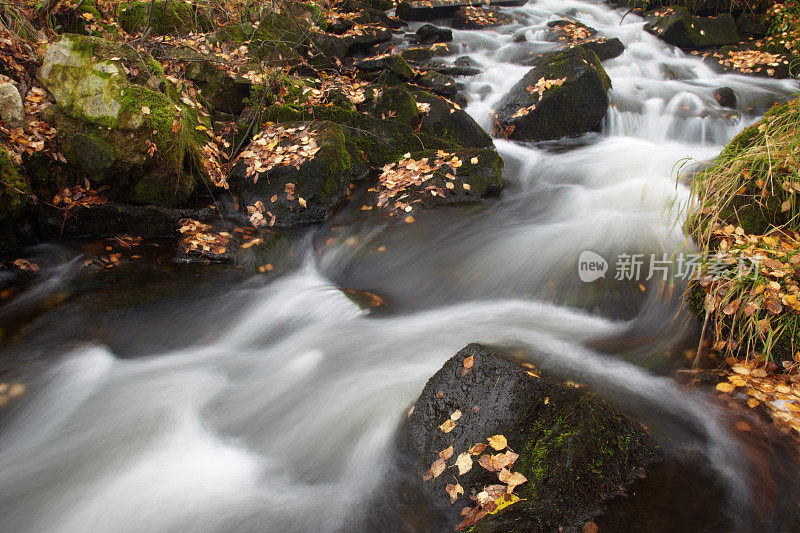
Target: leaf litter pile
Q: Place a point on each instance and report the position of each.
(200, 240)
(778, 395)
(493, 497)
(397, 178)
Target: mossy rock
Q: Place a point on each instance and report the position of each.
(275, 39)
(421, 54)
(119, 128)
(680, 28)
(389, 68)
(15, 191)
(574, 104)
(446, 120)
(164, 17)
(441, 84)
(224, 92)
(321, 180)
(575, 450)
(479, 176)
(380, 140)
(397, 103)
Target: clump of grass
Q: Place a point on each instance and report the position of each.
(754, 183)
(745, 221)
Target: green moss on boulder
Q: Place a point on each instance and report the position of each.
(321, 180)
(15, 191)
(575, 450)
(163, 17)
(122, 123)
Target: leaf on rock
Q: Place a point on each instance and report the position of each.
(464, 463)
(498, 442)
(448, 425)
(469, 361)
(454, 491)
(477, 449)
(438, 467)
(446, 454)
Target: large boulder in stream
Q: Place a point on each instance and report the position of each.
(122, 123)
(676, 26)
(292, 173)
(563, 95)
(559, 450)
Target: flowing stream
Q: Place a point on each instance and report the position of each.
(257, 405)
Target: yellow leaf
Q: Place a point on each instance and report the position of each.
(725, 387)
(498, 442)
(448, 425)
(456, 415)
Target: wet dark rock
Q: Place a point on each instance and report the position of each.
(678, 27)
(752, 24)
(452, 70)
(771, 62)
(575, 450)
(563, 30)
(116, 219)
(225, 93)
(420, 54)
(725, 97)
(446, 121)
(441, 84)
(438, 9)
(479, 176)
(321, 180)
(369, 15)
(575, 103)
(466, 61)
(476, 18)
(393, 65)
(605, 48)
(428, 33)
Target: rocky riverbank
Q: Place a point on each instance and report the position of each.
(215, 135)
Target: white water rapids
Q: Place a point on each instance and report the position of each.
(285, 421)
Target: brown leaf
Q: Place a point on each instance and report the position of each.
(468, 362)
(464, 463)
(590, 527)
(498, 442)
(477, 449)
(438, 467)
(515, 479)
(486, 462)
(773, 306)
(454, 491)
(446, 454)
